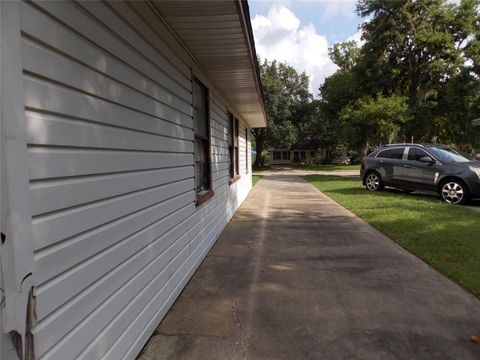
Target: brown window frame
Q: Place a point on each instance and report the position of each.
(246, 150)
(233, 151)
(237, 147)
(205, 192)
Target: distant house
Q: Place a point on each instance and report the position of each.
(125, 152)
(298, 156)
(288, 157)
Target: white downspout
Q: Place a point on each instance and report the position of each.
(17, 250)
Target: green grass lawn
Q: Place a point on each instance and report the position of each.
(331, 167)
(255, 179)
(445, 236)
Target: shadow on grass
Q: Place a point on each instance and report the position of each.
(331, 167)
(446, 236)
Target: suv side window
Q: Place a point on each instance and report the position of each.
(415, 154)
(396, 153)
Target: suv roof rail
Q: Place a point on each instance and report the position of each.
(404, 144)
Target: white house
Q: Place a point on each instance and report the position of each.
(125, 151)
(297, 156)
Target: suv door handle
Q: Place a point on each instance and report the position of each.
(407, 166)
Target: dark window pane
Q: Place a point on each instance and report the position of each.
(202, 181)
(235, 140)
(396, 153)
(237, 154)
(230, 157)
(230, 146)
(200, 109)
(230, 129)
(202, 143)
(284, 155)
(416, 154)
(246, 149)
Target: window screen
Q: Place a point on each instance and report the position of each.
(200, 110)
(231, 153)
(235, 142)
(202, 131)
(246, 149)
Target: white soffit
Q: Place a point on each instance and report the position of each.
(219, 35)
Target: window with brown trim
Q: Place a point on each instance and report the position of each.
(231, 156)
(233, 148)
(246, 150)
(201, 119)
(235, 144)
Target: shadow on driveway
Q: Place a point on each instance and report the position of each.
(296, 276)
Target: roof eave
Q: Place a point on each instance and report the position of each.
(243, 9)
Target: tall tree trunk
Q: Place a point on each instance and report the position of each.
(365, 149)
(411, 132)
(259, 146)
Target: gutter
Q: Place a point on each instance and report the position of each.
(243, 10)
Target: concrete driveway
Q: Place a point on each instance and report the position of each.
(296, 276)
(289, 170)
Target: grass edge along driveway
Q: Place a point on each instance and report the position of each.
(255, 179)
(331, 167)
(445, 236)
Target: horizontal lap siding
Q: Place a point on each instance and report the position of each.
(110, 141)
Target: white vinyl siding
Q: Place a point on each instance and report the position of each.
(116, 233)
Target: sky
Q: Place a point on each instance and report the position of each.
(300, 32)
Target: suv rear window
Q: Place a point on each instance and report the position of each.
(396, 153)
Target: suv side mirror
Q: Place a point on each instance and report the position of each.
(427, 159)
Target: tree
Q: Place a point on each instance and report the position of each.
(374, 120)
(345, 54)
(338, 91)
(286, 101)
(414, 47)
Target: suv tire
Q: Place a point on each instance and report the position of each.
(373, 181)
(454, 191)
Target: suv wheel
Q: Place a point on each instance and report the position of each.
(454, 192)
(373, 181)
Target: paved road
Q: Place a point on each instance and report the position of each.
(296, 276)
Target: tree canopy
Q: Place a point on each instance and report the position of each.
(420, 57)
(287, 100)
(415, 78)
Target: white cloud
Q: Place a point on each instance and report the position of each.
(280, 36)
(357, 37)
(339, 8)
